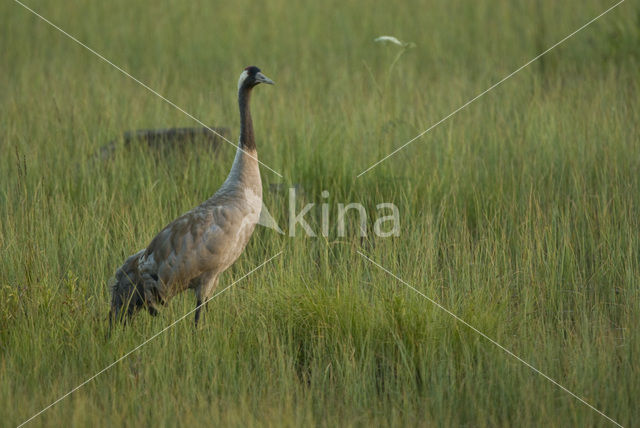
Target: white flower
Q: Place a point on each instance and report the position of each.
(390, 39)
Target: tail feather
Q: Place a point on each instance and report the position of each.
(127, 291)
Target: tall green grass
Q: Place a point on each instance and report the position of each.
(520, 214)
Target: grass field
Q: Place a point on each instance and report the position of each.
(520, 214)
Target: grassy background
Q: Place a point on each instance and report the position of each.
(520, 214)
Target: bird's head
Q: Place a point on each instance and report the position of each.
(251, 76)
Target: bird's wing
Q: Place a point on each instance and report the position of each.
(172, 259)
(185, 249)
(208, 238)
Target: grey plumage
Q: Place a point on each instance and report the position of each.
(193, 250)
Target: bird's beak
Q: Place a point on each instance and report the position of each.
(264, 79)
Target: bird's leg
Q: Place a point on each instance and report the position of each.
(204, 290)
(198, 307)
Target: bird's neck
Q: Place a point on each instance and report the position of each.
(247, 139)
(245, 172)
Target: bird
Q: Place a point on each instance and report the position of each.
(193, 250)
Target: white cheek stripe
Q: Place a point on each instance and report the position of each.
(243, 76)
